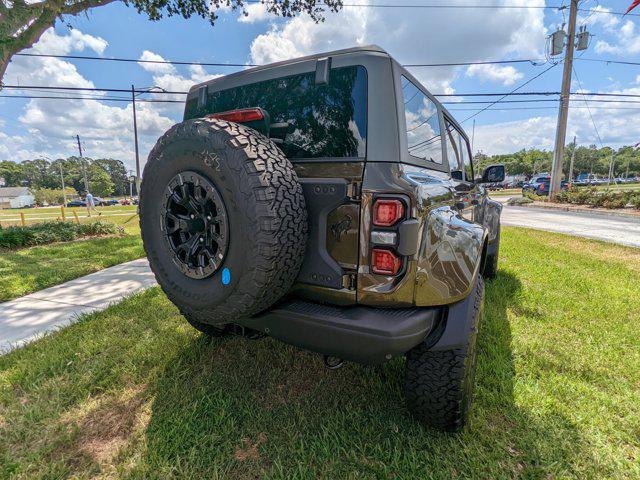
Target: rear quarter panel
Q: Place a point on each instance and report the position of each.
(450, 247)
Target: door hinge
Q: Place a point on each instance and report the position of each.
(349, 281)
(353, 190)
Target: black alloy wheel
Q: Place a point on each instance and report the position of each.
(195, 224)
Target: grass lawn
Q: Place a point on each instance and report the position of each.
(27, 270)
(134, 392)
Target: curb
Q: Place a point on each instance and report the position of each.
(592, 211)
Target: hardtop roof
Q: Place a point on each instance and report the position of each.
(374, 49)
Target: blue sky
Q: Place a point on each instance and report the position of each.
(30, 128)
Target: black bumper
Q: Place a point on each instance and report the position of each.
(360, 334)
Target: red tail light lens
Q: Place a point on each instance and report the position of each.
(240, 116)
(387, 212)
(384, 262)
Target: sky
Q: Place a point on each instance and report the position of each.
(32, 128)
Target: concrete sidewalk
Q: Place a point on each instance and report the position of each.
(26, 318)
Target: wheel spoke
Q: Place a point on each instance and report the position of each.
(195, 224)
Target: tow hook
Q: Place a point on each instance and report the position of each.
(331, 362)
(242, 331)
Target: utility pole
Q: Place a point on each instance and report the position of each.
(64, 192)
(611, 168)
(84, 170)
(573, 156)
(135, 137)
(563, 114)
(473, 136)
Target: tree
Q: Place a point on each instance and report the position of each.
(52, 195)
(22, 23)
(12, 173)
(37, 174)
(100, 183)
(118, 173)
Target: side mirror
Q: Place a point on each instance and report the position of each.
(493, 174)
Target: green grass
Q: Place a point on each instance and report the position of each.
(117, 214)
(28, 270)
(134, 392)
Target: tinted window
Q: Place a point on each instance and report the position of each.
(453, 152)
(324, 120)
(466, 158)
(423, 126)
(458, 154)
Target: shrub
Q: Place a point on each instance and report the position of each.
(48, 232)
(607, 198)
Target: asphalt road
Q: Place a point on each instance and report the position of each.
(609, 228)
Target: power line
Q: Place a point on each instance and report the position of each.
(587, 105)
(465, 94)
(98, 99)
(534, 61)
(133, 60)
(473, 6)
(210, 64)
(542, 108)
(510, 93)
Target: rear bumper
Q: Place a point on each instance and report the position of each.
(360, 334)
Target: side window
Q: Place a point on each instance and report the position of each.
(453, 152)
(458, 154)
(423, 126)
(466, 158)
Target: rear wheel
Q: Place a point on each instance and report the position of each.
(223, 221)
(491, 262)
(439, 383)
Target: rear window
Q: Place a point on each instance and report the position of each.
(325, 120)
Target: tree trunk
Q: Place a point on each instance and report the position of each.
(32, 21)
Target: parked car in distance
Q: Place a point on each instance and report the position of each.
(77, 203)
(102, 202)
(540, 186)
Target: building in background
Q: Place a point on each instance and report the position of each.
(16, 197)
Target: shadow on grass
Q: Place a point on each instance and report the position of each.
(238, 408)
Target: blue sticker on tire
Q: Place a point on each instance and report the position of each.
(226, 276)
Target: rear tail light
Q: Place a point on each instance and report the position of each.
(385, 262)
(386, 212)
(240, 116)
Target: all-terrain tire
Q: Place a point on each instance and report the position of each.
(491, 263)
(439, 383)
(265, 210)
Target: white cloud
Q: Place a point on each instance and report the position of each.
(257, 12)
(506, 75)
(616, 124)
(165, 68)
(412, 36)
(52, 43)
(106, 128)
(627, 40)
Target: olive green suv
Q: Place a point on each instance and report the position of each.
(330, 202)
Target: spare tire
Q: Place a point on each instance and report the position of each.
(223, 220)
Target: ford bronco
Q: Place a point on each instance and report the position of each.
(330, 202)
